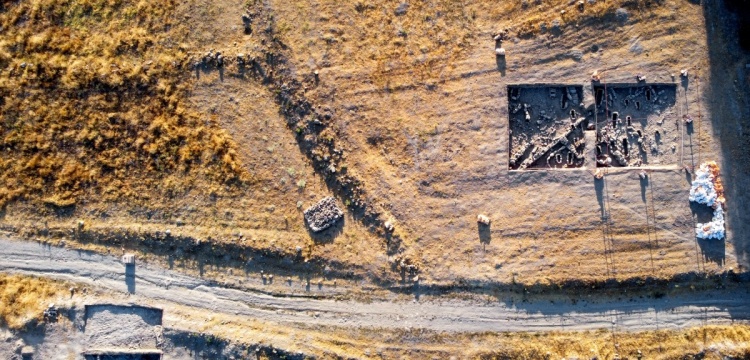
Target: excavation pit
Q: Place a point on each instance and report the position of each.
(650, 134)
(546, 126)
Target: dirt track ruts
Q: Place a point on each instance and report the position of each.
(165, 286)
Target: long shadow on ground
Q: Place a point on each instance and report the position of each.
(727, 85)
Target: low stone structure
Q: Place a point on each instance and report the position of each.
(323, 214)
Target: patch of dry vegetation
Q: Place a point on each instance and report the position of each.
(707, 342)
(387, 38)
(93, 103)
(530, 17)
(24, 298)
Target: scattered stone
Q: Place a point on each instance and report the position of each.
(556, 26)
(576, 54)
(622, 15)
(401, 9)
(247, 24)
(595, 76)
(128, 259)
(51, 313)
(27, 352)
(323, 214)
(483, 219)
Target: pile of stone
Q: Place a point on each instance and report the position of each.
(323, 215)
(50, 314)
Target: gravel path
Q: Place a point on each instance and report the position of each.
(166, 286)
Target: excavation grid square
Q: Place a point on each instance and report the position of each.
(636, 125)
(547, 124)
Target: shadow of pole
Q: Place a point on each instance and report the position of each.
(130, 278)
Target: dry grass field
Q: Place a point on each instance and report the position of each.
(121, 129)
(107, 120)
(23, 298)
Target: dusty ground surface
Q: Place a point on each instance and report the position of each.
(444, 154)
(313, 326)
(122, 327)
(419, 118)
(401, 112)
(506, 312)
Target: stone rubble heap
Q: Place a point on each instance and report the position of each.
(323, 214)
(708, 190)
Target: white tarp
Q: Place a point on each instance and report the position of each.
(704, 192)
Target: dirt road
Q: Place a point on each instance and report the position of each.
(149, 283)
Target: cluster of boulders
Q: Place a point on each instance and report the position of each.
(323, 214)
(50, 314)
(407, 267)
(211, 58)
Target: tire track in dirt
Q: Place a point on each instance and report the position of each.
(167, 287)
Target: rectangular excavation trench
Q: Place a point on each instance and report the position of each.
(636, 124)
(547, 124)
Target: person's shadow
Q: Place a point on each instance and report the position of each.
(130, 277)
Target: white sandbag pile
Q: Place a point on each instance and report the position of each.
(708, 190)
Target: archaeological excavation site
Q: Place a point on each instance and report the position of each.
(624, 124)
(317, 179)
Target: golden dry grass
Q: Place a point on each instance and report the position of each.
(24, 298)
(93, 103)
(715, 342)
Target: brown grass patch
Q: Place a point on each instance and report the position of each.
(93, 102)
(24, 298)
